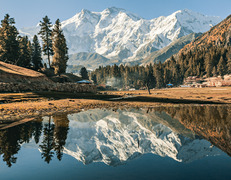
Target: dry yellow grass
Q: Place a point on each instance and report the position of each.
(17, 70)
(215, 94)
(42, 106)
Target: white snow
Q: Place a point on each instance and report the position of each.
(115, 31)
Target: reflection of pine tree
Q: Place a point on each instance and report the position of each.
(10, 140)
(9, 145)
(47, 143)
(60, 133)
(26, 132)
(38, 126)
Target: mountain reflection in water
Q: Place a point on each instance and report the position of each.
(185, 134)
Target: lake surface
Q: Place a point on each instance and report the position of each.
(184, 142)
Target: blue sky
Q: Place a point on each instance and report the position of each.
(30, 12)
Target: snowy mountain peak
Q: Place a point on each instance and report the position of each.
(83, 11)
(120, 35)
(114, 9)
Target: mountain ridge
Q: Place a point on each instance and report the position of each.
(118, 34)
(173, 48)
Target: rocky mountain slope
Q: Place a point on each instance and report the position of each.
(173, 48)
(209, 54)
(123, 36)
(89, 60)
(219, 36)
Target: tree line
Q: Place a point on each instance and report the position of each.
(19, 50)
(150, 76)
(209, 62)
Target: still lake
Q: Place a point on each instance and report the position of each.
(183, 142)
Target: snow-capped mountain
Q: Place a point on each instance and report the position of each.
(117, 137)
(118, 34)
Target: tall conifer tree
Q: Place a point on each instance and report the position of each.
(229, 65)
(36, 54)
(60, 49)
(221, 67)
(84, 73)
(9, 46)
(214, 71)
(24, 59)
(46, 34)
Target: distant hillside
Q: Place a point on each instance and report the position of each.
(89, 60)
(168, 51)
(209, 53)
(219, 35)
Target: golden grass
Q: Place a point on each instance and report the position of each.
(33, 105)
(12, 69)
(215, 94)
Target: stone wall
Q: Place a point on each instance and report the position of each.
(58, 87)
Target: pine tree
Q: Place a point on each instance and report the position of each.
(150, 79)
(36, 54)
(94, 78)
(46, 34)
(24, 59)
(9, 46)
(221, 67)
(172, 60)
(229, 65)
(159, 77)
(214, 71)
(208, 65)
(84, 73)
(115, 72)
(60, 49)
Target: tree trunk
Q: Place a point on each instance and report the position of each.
(148, 89)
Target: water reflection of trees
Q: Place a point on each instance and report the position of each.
(54, 137)
(12, 138)
(210, 122)
(60, 134)
(47, 143)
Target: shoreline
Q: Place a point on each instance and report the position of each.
(28, 105)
